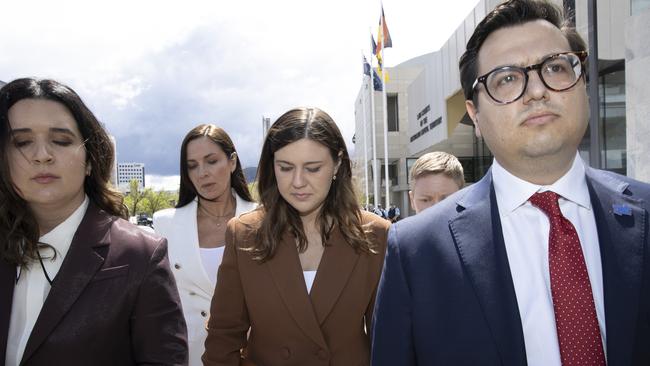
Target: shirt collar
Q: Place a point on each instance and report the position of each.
(61, 236)
(512, 192)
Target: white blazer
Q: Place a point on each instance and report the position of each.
(180, 228)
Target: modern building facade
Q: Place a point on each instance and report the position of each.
(426, 107)
(127, 172)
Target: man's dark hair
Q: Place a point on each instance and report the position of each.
(508, 14)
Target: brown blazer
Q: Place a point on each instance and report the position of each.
(113, 302)
(289, 326)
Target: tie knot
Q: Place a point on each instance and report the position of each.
(547, 202)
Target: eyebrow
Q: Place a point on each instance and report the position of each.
(538, 61)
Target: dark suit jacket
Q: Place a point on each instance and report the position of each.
(113, 302)
(288, 325)
(446, 295)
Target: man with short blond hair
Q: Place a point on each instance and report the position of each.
(434, 177)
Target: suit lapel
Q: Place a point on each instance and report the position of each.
(479, 240)
(289, 281)
(621, 238)
(192, 252)
(7, 283)
(78, 268)
(336, 265)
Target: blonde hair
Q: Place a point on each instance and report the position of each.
(438, 162)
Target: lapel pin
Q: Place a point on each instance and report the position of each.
(622, 210)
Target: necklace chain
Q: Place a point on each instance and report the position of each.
(217, 218)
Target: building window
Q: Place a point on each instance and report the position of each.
(392, 173)
(612, 114)
(393, 114)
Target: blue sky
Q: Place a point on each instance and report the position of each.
(152, 70)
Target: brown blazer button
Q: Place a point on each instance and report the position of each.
(286, 353)
(203, 313)
(177, 266)
(322, 354)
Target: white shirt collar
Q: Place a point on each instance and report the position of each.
(61, 236)
(512, 192)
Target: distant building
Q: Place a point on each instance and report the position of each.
(126, 172)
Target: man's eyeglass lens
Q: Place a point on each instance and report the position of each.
(558, 72)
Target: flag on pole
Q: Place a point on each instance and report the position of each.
(373, 45)
(366, 66)
(383, 74)
(376, 81)
(383, 36)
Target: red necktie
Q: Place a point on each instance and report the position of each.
(575, 314)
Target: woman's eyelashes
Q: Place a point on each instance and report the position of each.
(192, 166)
(285, 168)
(22, 143)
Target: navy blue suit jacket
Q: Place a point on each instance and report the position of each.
(446, 295)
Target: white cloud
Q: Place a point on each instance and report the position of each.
(162, 183)
(152, 70)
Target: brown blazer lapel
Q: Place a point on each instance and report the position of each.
(7, 283)
(78, 268)
(334, 270)
(289, 280)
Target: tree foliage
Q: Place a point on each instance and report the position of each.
(148, 201)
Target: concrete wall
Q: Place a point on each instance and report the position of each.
(637, 90)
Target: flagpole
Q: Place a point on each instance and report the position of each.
(365, 136)
(375, 171)
(383, 77)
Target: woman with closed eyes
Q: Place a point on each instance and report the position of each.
(213, 190)
(79, 285)
(297, 282)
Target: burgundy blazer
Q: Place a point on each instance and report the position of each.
(113, 302)
(288, 326)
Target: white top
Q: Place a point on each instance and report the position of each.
(211, 259)
(309, 279)
(525, 232)
(32, 286)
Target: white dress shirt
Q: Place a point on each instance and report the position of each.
(525, 232)
(32, 286)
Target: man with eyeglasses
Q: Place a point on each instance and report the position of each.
(545, 261)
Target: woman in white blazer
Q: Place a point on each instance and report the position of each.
(212, 191)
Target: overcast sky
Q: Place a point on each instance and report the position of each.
(152, 70)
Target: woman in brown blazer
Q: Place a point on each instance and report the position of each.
(300, 273)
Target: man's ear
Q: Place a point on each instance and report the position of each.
(472, 111)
